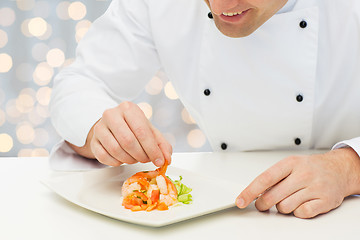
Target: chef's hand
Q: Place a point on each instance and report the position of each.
(305, 185)
(125, 135)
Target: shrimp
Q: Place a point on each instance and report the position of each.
(168, 192)
(149, 190)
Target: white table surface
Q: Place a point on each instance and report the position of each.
(29, 210)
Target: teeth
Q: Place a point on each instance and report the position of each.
(232, 14)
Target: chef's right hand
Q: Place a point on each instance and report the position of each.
(125, 135)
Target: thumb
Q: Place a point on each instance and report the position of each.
(240, 202)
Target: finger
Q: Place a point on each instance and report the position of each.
(102, 155)
(292, 202)
(112, 147)
(125, 137)
(163, 144)
(264, 181)
(280, 191)
(312, 208)
(140, 126)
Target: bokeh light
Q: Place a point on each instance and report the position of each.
(80, 33)
(42, 111)
(37, 26)
(83, 24)
(24, 103)
(77, 10)
(62, 10)
(82, 28)
(38, 38)
(36, 152)
(55, 57)
(40, 152)
(186, 117)
(25, 28)
(43, 74)
(196, 138)
(6, 62)
(47, 33)
(3, 38)
(146, 108)
(155, 86)
(25, 5)
(25, 133)
(12, 112)
(7, 17)
(25, 152)
(170, 91)
(6, 142)
(43, 95)
(28, 91)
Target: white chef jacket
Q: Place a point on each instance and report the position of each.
(292, 84)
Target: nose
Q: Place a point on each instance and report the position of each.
(220, 6)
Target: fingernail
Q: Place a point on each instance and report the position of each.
(240, 202)
(159, 162)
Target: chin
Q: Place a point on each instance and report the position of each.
(234, 32)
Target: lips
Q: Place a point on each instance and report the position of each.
(233, 17)
(232, 14)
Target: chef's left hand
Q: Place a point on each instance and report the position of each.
(305, 185)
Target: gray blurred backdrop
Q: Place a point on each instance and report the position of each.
(37, 39)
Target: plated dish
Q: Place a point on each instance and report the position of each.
(154, 190)
(100, 191)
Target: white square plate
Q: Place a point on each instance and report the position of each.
(100, 191)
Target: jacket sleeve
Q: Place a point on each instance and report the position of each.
(114, 61)
(354, 143)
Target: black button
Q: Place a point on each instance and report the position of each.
(207, 92)
(303, 24)
(299, 98)
(210, 15)
(297, 141)
(223, 146)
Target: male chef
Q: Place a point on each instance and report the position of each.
(254, 74)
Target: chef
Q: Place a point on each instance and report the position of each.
(254, 74)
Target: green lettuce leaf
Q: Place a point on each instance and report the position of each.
(183, 191)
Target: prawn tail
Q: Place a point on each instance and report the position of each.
(163, 168)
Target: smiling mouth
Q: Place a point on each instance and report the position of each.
(233, 17)
(231, 14)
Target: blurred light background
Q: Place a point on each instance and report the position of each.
(37, 39)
